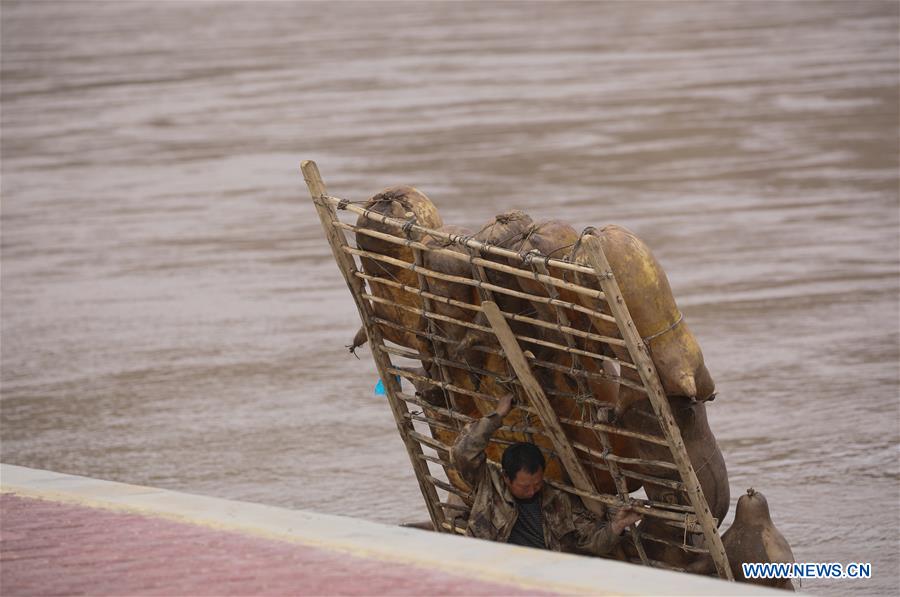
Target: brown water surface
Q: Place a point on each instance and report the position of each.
(171, 314)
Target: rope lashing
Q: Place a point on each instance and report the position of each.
(589, 230)
(407, 227)
(557, 250)
(528, 256)
(528, 233)
(705, 463)
(463, 240)
(665, 331)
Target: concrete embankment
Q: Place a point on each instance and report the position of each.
(64, 534)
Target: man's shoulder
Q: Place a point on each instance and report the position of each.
(560, 501)
(555, 499)
(494, 474)
(552, 493)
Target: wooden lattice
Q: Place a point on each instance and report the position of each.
(454, 391)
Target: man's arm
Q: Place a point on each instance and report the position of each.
(467, 454)
(599, 537)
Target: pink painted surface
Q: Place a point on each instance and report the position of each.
(49, 548)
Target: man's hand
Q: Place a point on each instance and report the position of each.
(504, 405)
(625, 517)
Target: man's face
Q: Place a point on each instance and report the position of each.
(526, 485)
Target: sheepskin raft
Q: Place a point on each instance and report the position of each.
(456, 319)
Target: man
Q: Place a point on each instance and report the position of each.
(514, 505)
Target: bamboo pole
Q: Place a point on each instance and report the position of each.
(672, 484)
(616, 503)
(612, 429)
(453, 529)
(690, 525)
(662, 482)
(490, 350)
(442, 384)
(441, 447)
(461, 507)
(664, 505)
(465, 419)
(434, 459)
(454, 238)
(437, 349)
(486, 295)
(473, 260)
(338, 244)
(601, 406)
(647, 479)
(484, 263)
(602, 465)
(647, 371)
(432, 422)
(439, 338)
(589, 374)
(458, 416)
(408, 353)
(539, 402)
(481, 328)
(670, 543)
(611, 459)
(448, 487)
(428, 441)
(481, 285)
(511, 316)
(441, 425)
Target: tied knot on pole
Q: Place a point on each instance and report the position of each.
(528, 257)
(526, 236)
(582, 400)
(343, 203)
(407, 227)
(589, 230)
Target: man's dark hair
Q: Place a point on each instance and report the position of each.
(522, 456)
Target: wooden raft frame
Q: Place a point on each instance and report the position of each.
(695, 519)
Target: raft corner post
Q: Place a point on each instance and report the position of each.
(656, 394)
(328, 218)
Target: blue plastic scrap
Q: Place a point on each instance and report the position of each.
(380, 389)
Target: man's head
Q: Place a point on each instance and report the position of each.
(523, 470)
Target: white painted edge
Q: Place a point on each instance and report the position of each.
(482, 560)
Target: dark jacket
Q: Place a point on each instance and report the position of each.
(568, 525)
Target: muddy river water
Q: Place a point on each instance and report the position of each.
(171, 314)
